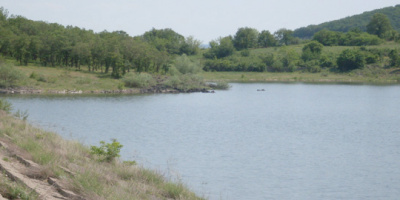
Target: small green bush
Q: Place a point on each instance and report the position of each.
(185, 66)
(245, 53)
(9, 76)
(5, 105)
(23, 115)
(107, 151)
(34, 75)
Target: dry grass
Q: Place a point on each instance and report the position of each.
(50, 78)
(87, 176)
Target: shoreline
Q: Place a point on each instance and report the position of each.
(123, 91)
(159, 90)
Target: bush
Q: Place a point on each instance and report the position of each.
(350, 59)
(9, 76)
(268, 59)
(5, 105)
(107, 151)
(185, 66)
(139, 80)
(245, 53)
(394, 56)
(327, 61)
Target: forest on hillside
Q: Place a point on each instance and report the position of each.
(352, 22)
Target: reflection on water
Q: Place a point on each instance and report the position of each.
(291, 141)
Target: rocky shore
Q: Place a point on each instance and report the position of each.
(155, 89)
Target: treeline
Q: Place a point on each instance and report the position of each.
(51, 44)
(350, 23)
(222, 57)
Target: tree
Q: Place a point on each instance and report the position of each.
(266, 39)
(350, 59)
(185, 66)
(394, 58)
(312, 51)
(245, 38)
(284, 36)
(165, 40)
(379, 25)
(327, 38)
(220, 48)
(190, 46)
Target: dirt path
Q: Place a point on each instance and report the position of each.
(27, 172)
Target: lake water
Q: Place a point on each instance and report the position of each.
(291, 141)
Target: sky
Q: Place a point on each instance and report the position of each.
(205, 20)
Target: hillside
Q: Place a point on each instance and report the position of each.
(357, 21)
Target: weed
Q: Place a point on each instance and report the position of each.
(5, 105)
(22, 115)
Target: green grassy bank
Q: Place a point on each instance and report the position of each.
(92, 178)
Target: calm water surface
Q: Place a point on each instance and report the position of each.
(292, 141)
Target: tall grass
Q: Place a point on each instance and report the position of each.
(91, 178)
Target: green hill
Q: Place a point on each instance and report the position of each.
(357, 21)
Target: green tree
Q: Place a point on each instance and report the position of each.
(266, 39)
(220, 48)
(394, 58)
(288, 58)
(379, 25)
(350, 59)
(284, 36)
(190, 46)
(327, 38)
(245, 38)
(185, 66)
(165, 40)
(312, 51)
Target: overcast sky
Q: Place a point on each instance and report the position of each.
(204, 19)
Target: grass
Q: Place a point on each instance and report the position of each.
(14, 190)
(92, 179)
(49, 78)
(53, 79)
(360, 76)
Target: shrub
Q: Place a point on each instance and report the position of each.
(327, 61)
(350, 59)
(23, 115)
(245, 53)
(394, 56)
(139, 80)
(34, 75)
(268, 59)
(185, 66)
(9, 76)
(311, 51)
(5, 105)
(107, 151)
